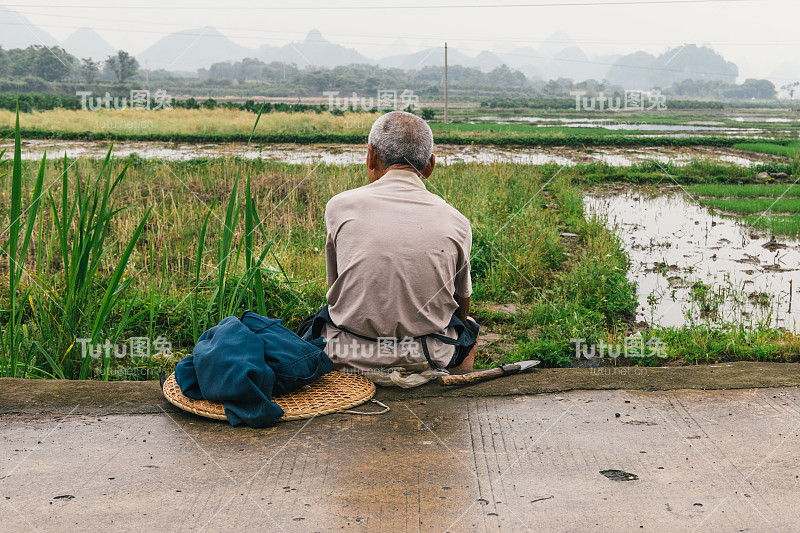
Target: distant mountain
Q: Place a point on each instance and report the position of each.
(314, 51)
(691, 62)
(527, 60)
(191, 50)
(16, 31)
(424, 58)
(600, 65)
(567, 62)
(644, 71)
(571, 63)
(555, 43)
(434, 57)
(557, 56)
(632, 71)
(87, 43)
(487, 61)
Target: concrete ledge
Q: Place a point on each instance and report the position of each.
(61, 397)
(37, 397)
(738, 375)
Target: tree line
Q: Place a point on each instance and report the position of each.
(39, 69)
(56, 64)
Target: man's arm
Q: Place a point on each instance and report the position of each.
(331, 267)
(463, 307)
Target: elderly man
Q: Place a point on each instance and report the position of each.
(397, 261)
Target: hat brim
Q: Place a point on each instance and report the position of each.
(331, 393)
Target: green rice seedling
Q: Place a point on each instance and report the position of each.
(786, 150)
(784, 225)
(745, 190)
(82, 226)
(76, 301)
(754, 205)
(17, 253)
(724, 342)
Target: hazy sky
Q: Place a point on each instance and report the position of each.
(759, 35)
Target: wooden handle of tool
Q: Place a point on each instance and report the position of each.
(472, 377)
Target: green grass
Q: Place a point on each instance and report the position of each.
(745, 190)
(78, 242)
(785, 225)
(202, 239)
(210, 238)
(786, 150)
(532, 137)
(696, 172)
(493, 127)
(707, 344)
(754, 205)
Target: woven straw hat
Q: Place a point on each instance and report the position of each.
(333, 392)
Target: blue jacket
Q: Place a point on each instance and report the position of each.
(243, 362)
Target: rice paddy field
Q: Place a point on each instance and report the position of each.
(98, 250)
(667, 128)
(775, 208)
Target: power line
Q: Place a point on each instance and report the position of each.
(384, 36)
(474, 50)
(387, 38)
(393, 8)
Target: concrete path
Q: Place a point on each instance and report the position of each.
(685, 460)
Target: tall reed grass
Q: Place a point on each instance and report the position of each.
(74, 234)
(75, 259)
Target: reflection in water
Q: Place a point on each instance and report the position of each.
(343, 154)
(692, 266)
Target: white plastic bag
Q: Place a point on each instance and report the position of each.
(407, 376)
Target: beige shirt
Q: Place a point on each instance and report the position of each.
(396, 255)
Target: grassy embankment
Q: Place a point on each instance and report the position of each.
(225, 125)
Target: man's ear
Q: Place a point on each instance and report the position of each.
(428, 170)
(372, 158)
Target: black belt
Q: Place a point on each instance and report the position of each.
(467, 335)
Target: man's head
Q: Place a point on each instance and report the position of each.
(400, 140)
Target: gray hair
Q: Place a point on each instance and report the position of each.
(401, 138)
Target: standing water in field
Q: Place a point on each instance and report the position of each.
(695, 267)
(354, 154)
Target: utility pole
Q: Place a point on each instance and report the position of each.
(445, 83)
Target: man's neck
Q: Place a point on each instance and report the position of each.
(407, 168)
